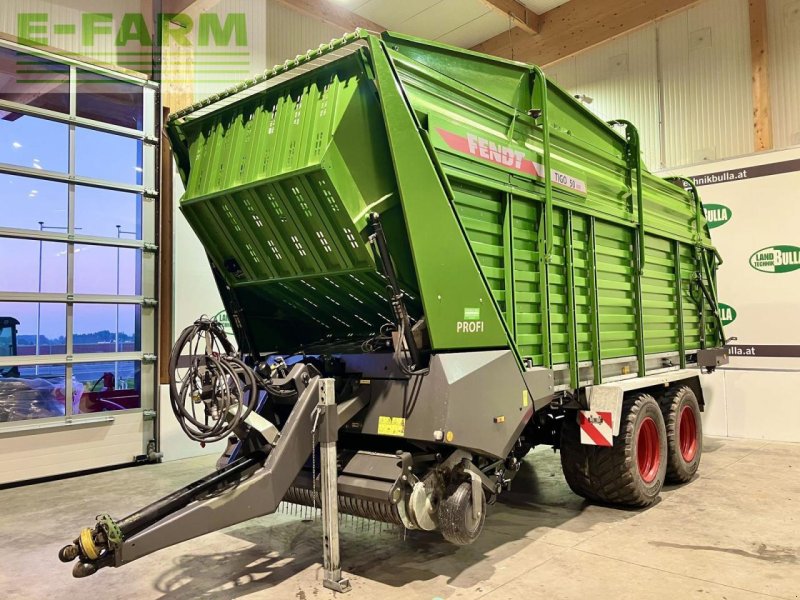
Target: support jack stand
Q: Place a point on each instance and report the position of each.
(328, 436)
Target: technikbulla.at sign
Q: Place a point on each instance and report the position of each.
(726, 313)
(717, 214)
(776, 259)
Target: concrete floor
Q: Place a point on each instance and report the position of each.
(732, 533)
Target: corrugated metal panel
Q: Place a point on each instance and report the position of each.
(705, 64)
(621, 78)
(783, 29)
(563, 73)
(290, 33)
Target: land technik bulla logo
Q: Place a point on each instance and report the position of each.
(776, 259)
(727, 313)
(717, 214)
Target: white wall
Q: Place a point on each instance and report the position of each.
(685, 81)
(754, 396)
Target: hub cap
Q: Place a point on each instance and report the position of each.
(687, 434)
(648, 450)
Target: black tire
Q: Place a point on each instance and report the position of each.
(575, 459)
(456, 522)
(684, 433)
(613, 475)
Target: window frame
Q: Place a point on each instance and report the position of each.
(149, 136)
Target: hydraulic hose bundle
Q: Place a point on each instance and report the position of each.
(217, 390)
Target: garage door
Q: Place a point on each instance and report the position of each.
(78, 199)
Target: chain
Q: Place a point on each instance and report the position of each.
(314, 427)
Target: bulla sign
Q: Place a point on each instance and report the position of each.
(776, 259)
(717, 214)
(727, 313)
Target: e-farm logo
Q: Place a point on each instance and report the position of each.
(727, 313)
(717, 214)
(215, 44)
(776, 259)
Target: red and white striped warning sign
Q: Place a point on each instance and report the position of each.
(596, 427)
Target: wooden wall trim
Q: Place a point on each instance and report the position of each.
(166, 275)
(759, 56)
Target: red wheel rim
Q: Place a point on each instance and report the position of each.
(687, 434)
(648, 450)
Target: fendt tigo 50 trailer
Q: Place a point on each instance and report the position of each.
(432, 261)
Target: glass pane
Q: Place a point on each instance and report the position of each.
(28, 203)
(109, 100)
(33, 142)
(33, 393)
(108, 214)
(36, 266)
(108, 156)
(107, 386)
(46, 320)
(107, 270)
(33, 81)
(106, 328)
(8, 337)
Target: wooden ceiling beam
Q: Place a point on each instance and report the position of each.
(330, 13)
(762, 119)
(520, 15)
(578, 25)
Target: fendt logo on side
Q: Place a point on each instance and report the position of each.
(776, 259)
(717, 214)
(502, 155)
(727, 313)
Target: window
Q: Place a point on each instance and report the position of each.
(28, 203)
(77, 163)
(33, 142)
(37, 266)
(108, 213)
(109, 100)
(42, 327)
(93, 153)
(106, 328)
(33, 81)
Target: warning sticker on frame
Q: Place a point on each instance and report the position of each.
(391, 426)
(596, 427)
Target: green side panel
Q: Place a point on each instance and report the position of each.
(615, 290)
(527, 278)
(659, 302)
(582, 286)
